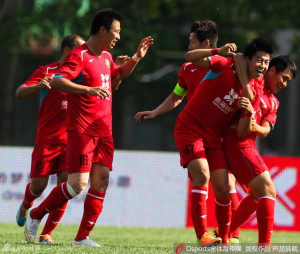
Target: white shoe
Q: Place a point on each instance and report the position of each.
(31, 227)
(86, 242)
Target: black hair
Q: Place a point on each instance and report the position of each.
(104, 17)
(206, 29)
(257, 44)
(282, 62)
(69, 41)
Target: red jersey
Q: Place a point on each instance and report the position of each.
(190, 75)
(265, 108)
(214, 102)
(89, 114)
(53, 105)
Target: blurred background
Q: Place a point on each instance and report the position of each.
(31, 32)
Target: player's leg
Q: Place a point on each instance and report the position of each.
(234, 204)
(264, 187)
(56, 215)
(219, 181)
(93, 202)
(33, 190)
(99, 179)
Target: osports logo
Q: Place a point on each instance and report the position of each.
(179, 248)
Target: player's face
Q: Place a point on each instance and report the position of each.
(258, 65)
(195, 43)
(277, 81)
(113, 35)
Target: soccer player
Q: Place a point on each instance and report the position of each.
(200, 127)
(49, 153)
(203, 36)
(242, 155)
(86, 78)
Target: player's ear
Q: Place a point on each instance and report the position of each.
(207, 44)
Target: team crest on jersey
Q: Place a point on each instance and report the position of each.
(107, 63)
(231, 97)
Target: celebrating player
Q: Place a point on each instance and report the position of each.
(202, 124)
(86, 77)
(49, 154)
(242, 155)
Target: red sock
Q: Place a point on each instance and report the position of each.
(93, 205)
(53, 219)
(246, 208)
(234, 205)
(265, 219)
(29, 197)
(199, 210)
(223, 216)
(57, 198)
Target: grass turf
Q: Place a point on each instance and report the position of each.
(117, 239)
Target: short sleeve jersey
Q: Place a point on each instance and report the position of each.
(53, 108)
(268, 107)
(190, 75)
(214, 102)
(89, 114)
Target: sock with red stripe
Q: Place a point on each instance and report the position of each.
(199, 210)
(246, 208)
(29, 197)
(234, 205)
(265, 219)
(93, 205)
(53, 219)
(223, 216)
(57, 198)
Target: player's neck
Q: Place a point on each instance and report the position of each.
(95, 47)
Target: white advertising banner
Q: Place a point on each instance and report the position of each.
(147, 189)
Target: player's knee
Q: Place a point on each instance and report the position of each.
(221, 191)
(38, 188)
(62, 177)
(78, 187)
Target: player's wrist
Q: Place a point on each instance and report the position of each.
(248, 113)
(136, 58)
(214, 51)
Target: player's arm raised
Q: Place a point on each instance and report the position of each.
(245, 123)
(128, 67)
(200, 56)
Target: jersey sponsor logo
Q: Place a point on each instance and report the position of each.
(83, 160)
(231, 97)
(64, 104)
(222, 105)
(105, 80)
(107, 63)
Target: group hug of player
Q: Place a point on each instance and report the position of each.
(230, 102)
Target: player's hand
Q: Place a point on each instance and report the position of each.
(45, 83)
(227, 49)
(144, 46)
(144, 115)
(99, 91)
(245, 104)
(121, 60)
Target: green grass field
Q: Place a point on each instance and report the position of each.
(117, 239)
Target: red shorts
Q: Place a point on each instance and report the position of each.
(85, 149)
(192, 146)
(48, 159)
(243, 160)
